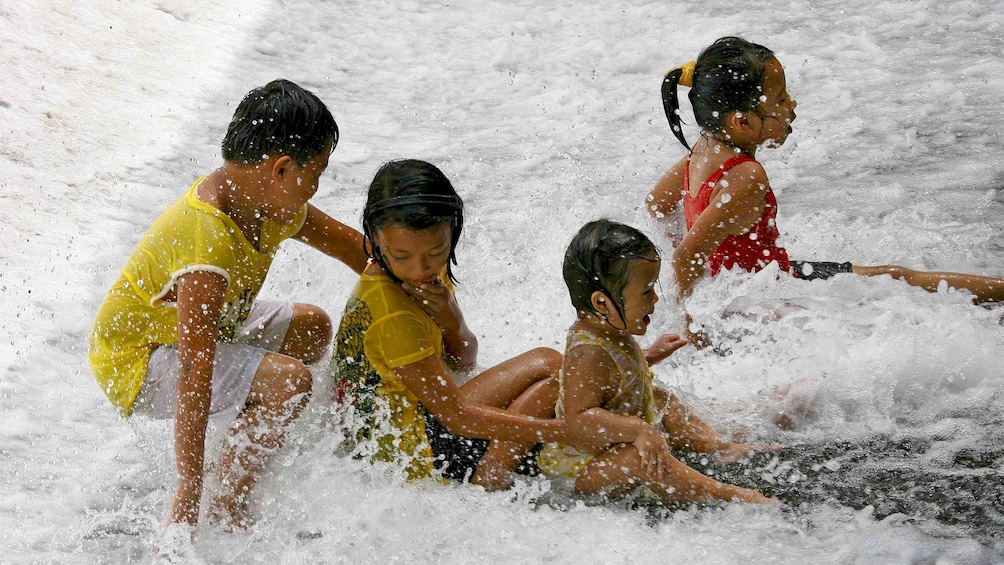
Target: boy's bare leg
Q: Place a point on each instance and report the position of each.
(280, 390)
(985, 289)
(620, 470)
(309, 334)
(503, 383)
(502, 457)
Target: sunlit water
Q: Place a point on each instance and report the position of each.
(545, 116)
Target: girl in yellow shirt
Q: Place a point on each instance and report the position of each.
(403, 342)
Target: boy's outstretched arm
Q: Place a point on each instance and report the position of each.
(200, 303)
(333, 238)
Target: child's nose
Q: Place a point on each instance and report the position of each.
(425, 268)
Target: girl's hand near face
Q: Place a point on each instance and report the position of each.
(663, 347)
(439, 303)
(460, 347)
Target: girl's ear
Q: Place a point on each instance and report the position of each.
(600, 302)
(737, 121)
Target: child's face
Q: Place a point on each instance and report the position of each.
(640, 296)
(417, 257)
(294, 188)
(777, 107)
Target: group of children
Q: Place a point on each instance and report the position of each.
(181, 334)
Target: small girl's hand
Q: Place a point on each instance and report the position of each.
(663, 347)
(654, 452)
(438, 302)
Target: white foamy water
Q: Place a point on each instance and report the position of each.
(545, 116)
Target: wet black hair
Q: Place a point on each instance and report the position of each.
(728, 77)
(416, 195)
(280, 118)
(598, 258)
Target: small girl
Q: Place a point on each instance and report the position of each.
(741, 102)
(403, 341)
(606, 388)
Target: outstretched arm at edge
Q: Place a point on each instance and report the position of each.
(333, 238)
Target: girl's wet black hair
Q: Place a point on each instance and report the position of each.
(416, 195)
(280, 118)
(598, 259)
(728, 78)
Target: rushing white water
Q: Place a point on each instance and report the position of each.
(545, 116)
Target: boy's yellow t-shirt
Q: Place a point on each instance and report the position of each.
(382, 329)
(134, 319)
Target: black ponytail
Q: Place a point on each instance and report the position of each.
(671, 104)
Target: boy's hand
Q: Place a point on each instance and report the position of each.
(438, 302)
(663, 347)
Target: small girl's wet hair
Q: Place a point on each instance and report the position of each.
(728, 77)
(598, 259)
(280, 118)
(416, 195)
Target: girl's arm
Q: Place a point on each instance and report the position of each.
(590, 382)
(429, 381)
(460, 345)
(663, 347)
(665, 196)
(200, 304)
(734, 208)
(333, 238)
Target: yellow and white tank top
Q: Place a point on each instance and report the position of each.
(634, 397)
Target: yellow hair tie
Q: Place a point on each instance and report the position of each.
(687, 76)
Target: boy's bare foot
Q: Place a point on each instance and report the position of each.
(174, 545)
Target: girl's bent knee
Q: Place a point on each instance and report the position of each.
(549, 357)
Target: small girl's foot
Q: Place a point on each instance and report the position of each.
(737, 452)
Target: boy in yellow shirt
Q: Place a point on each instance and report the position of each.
(180, 333)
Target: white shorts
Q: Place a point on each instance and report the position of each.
(234, 366)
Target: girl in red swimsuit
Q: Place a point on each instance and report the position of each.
(741, 102)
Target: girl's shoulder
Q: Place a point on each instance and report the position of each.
(579, 337)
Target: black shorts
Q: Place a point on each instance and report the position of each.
(818, 270)
(458, 456)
